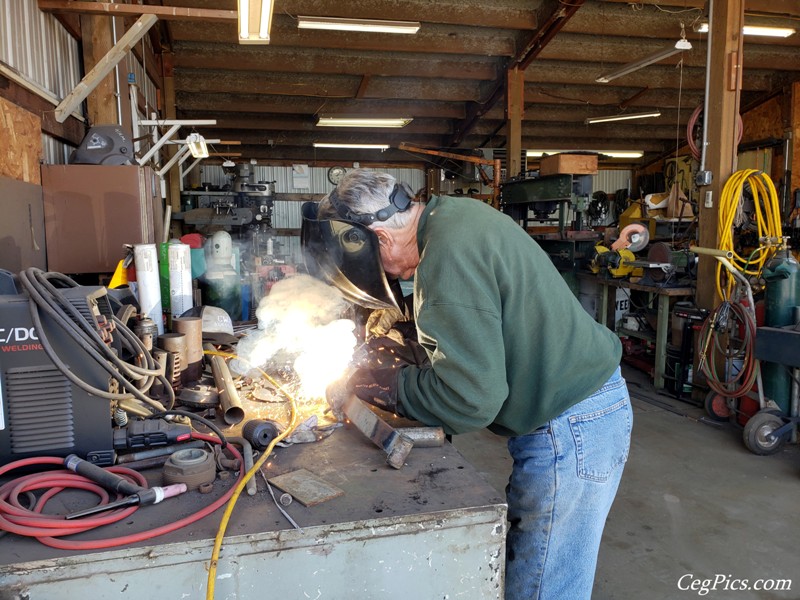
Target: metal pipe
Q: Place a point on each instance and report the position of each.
(116, 74)
(229, 401)
(704, 144)
(247, 455)
(711, 252)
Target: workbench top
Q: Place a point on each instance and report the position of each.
(437, 489)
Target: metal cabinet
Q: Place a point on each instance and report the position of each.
(92, 211)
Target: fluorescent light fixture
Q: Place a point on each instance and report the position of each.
(197, 145)
(680, 46)
(369, 25)
(365, 146)
(623, 117)
(781, 32)
(255, 21)
(609, 153)
(363, 122)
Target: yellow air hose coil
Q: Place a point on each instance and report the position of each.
(767, 220)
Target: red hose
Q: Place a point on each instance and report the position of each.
(15, 518)
(690, 131)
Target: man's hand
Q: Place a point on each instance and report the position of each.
(376, 386)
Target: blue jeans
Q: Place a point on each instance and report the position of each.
(564, 479)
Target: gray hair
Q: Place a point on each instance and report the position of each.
(364, 192)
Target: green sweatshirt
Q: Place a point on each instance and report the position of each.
(510, 345)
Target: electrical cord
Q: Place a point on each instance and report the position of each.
(193, 416)
(690, 125)
(48, 528)
(767, 222)
(47, 299)
(212, 567)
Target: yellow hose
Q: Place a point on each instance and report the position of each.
(212, 568)
(768, 224)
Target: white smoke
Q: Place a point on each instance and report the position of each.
(300, 321)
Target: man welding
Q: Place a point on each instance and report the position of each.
(509, 347)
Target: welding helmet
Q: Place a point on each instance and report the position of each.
(345, 254)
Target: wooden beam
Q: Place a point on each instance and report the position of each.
(128, 10)
(515, 88)
(432, 38)
(722, 112)
(232, 57)
(233, 102)
(362, 87)
(70, 131)
(552, 16)
(104, 66)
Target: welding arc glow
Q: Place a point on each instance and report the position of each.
(299, 320)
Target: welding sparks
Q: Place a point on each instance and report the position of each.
(298, 322)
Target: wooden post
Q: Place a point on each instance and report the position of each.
(98, 40)
(515, 109)
(722, 113)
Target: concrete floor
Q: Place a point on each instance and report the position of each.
(693, 500)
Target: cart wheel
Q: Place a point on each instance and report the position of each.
(757, 433)
(716, 407)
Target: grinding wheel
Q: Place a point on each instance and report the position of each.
(658, 253)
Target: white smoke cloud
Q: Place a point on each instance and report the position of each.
(300, 321)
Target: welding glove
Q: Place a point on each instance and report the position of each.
(376, 386)
(386, 352)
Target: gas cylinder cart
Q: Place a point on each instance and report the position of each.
(730, 333)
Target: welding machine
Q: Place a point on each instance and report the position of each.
(43, 412)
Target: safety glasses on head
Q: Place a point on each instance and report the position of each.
(399, 201)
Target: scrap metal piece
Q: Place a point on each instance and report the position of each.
(396, 445)
(305, 487)
(423, 437)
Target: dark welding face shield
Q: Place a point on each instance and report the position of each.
(347, 255)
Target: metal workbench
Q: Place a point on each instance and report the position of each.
(433, 529)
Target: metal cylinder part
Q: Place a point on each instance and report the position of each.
(192, 466)
(192, 329)
(423, 437)
(229, 401)
(146, 330)
(260, 432)
(175, 343)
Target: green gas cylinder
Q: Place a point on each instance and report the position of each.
(782, 275)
